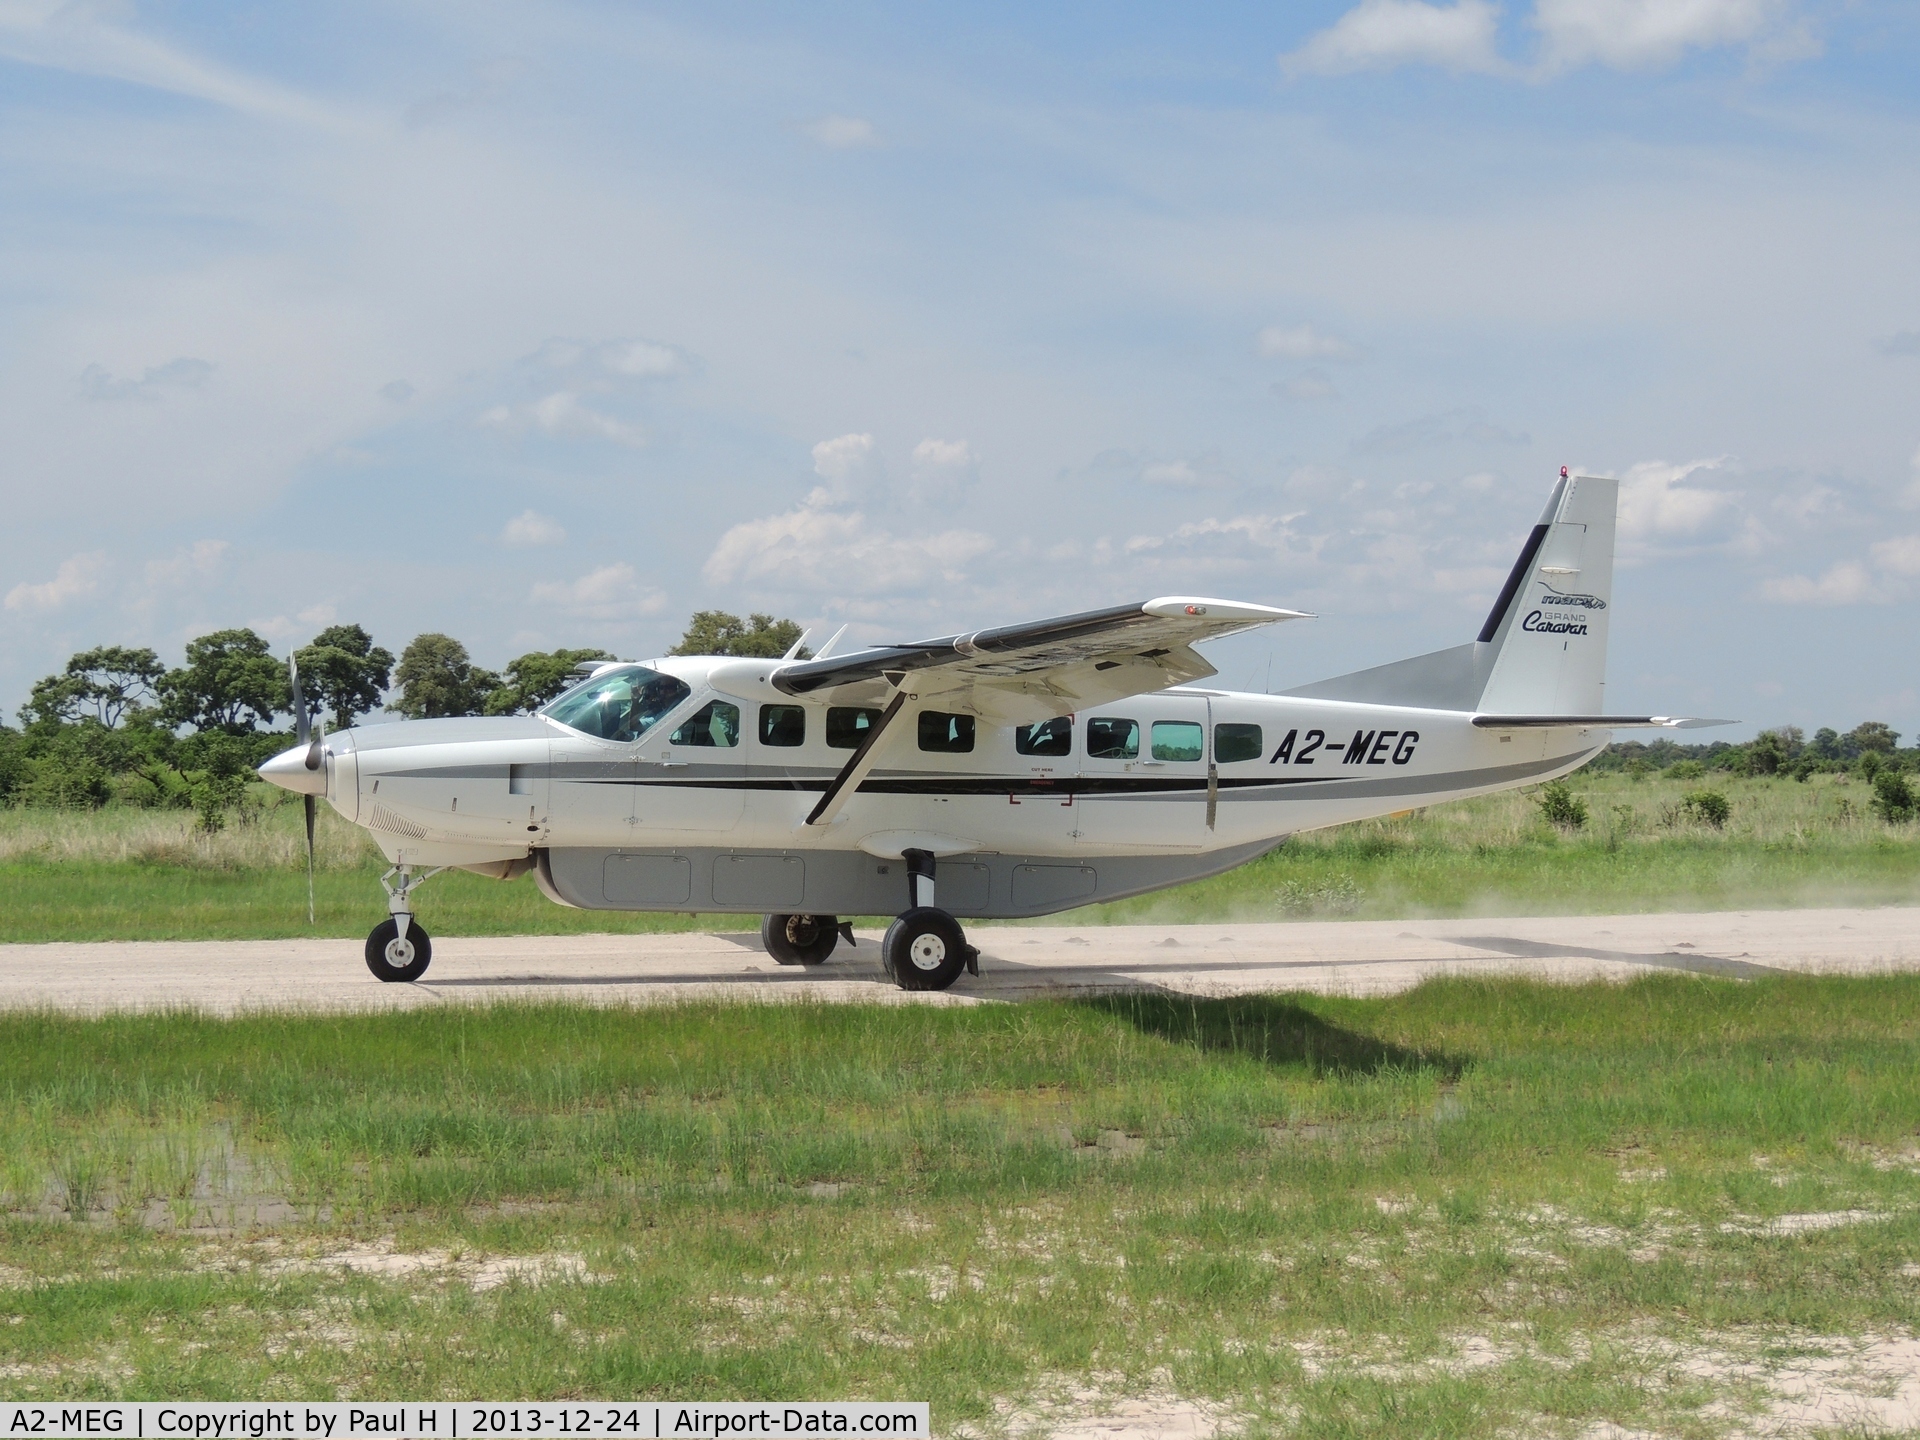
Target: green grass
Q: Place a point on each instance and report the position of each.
(1304, 1208)
(128, 874)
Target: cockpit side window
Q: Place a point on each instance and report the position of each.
(622, 704)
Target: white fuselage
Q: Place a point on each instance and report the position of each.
(1207, 770)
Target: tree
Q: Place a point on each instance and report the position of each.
(534, 679)
(1766, 753)
(436, 677)
(1825, 744)
(230, 683)
(53, 702)
(1872, 737)
(116, 679)
(344, 669)
(1893, 797)
(715, 632)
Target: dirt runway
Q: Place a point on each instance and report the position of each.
(1016, 962)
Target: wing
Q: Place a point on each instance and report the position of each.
(1594, 722)
(1042, 668)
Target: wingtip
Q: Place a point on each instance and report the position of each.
(1178, 607)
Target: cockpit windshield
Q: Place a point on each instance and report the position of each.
(621, 704)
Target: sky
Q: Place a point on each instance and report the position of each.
(549, 325)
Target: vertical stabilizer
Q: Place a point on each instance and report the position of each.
(1548, 630)
(1543, 648)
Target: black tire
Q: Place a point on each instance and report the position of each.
(800, 939)
(393, 960)
(925, 949)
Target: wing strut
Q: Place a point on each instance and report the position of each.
(857, 766)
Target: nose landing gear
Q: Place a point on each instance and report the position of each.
(399, 949)
(925, 948)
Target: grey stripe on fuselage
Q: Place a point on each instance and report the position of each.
(1235, 789)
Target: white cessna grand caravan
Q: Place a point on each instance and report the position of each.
(1008, 772)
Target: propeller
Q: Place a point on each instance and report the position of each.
(305, 734)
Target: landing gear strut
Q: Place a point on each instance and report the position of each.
(399, 948)
(925, 948)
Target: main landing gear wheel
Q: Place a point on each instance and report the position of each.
(800, 939)
(925, 949)
(393, 959)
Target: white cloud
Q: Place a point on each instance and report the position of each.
(1645, 34)
(944, 472)
(562, 413)
(1900, 555)
(1452, 427)
(74, 38)
(530, 528)
(1310, 384)
(641, 359)
(1845, 584)
(842, 132)
(1208, 472)
(823, 551)
(613, 592)
(850, 465)
(76, 579)
(1385, 34)
(630, 359)
(183, 373)
(1224, 544)
(1177, 473)
(1655, 505)
(199, 562)
(1303, 342)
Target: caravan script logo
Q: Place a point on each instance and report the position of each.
(1537, 623)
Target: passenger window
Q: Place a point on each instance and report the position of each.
(1178, 740)
(946, 734)
(1049, 737)
(848, 725)
(622, 704)
(784, 725)
(1237, 742)
(715, 723)
(1110, 739)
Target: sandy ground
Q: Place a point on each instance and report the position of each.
(1016, 962)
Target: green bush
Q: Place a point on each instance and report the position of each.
(1561, 806)
(1709, 807)
(1686, 770)
(63, 782)
(1893, 797)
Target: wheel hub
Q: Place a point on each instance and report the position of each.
(399, 952)
(928, 952)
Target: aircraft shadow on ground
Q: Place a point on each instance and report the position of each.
(1270, 1030)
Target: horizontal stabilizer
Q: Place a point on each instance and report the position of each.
(1593, 722)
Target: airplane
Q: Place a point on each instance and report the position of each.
(993, 774)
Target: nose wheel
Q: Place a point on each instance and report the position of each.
(399, 949)
(394, 957)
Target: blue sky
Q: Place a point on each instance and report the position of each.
(547, 325)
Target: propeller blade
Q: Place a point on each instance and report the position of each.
(301, 724)
(310, 813)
